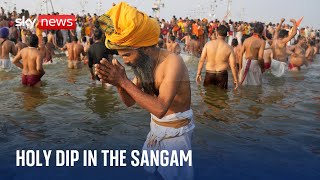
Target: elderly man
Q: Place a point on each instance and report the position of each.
(161, 84)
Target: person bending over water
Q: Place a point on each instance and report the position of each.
(74, 51)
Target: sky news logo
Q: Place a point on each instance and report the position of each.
(49, 22)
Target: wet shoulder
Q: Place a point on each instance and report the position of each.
(169, 59)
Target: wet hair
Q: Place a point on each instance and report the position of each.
(234, 42)
(97, 34)
(258, 28)
(244, 37)
(74, 38)
(283, 33)
(33, 40)
(172, 38)
(222, 31)
(84, 39)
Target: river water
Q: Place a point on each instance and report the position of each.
(264, 132)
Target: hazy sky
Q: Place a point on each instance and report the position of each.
(248, 10)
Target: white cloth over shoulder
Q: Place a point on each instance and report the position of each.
(171, 139)
(5, 64)
(278, 68)
(254, 75)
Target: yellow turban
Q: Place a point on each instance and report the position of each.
(126, 27)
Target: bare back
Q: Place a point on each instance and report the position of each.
(194, 47)
(50, 38)
(299, 59)
(218, 53)
(32, 62)
(310, 53)
(171, 62)
(252, 47)
(6, 47)
(74, 51)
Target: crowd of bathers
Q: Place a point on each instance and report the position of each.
(193, 33)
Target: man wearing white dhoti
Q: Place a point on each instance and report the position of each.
(161, 84)
(252, 64)
(279, 47)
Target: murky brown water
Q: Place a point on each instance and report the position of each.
(276, 126)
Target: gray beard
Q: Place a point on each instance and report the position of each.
(143, 70)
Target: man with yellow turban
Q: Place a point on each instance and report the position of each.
(161, 84)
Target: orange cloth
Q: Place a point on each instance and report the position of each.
(88, 31)
(38, 31)
(126, 27)
(195, 29)
(299, 21)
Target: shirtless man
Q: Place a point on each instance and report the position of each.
(6, 47)
(239, 33)
(52, 38)
(186, 39)
(161, 86)
(20, 45)
(172, 45)
(46, 51)
(32, 69)
(279, 48)
(74, 51)
(298, 55)
(194, 46)
(310, 52)
(252, 66)
(237, 50)
(219, 56)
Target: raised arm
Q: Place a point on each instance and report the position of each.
(293, 33)
(276, 32)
